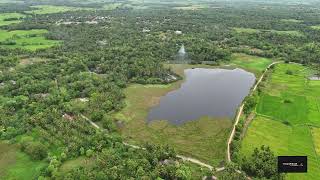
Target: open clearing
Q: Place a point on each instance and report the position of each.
(29, 40)
(10, 18)
(191, 7)
(288, 118)
(204, 139)
(81, 161)
(254, 31)
(17, 165)
(48, 9)
(112, 6)
(251, 63)
(291, 20)
(316, 27)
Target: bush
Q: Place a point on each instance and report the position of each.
(97, 116)
(261, 164)
(286, 123)
(289, 72)
(89, 153)
(36, 150)
(108, 123)
(250, 104)
(287, 101)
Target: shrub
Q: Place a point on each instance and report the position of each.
(250, 104)
(261, 164)
(36, 150)
(108, 123)
(89, 153)
(286, 123)
(287, 101)
(97, 116)
(289, 72)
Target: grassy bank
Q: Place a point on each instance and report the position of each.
(204, 138)
(288, 117)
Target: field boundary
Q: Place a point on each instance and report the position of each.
(237, 119)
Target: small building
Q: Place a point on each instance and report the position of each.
(145, 30)
(178, 32)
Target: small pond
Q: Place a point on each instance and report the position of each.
(205, 92)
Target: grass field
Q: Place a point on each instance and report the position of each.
(49, 9)
(10, 18)
(29, 40)
(10, 1)
(291, 20)
(17, 165)
(204, 138)
(251, 63)
(112, 6)
(81, 161)
(191, 7)
(253, 31)
(288, 118)
(316, 27)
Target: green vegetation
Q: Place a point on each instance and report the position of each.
(113, 55)
(10, 18)
(49, 9)
(251, 63)
(207, 142)
(26, 39)
(81, 161)
(291, 20)
(287, 117)
(112, 6)
(262, 164)
(191, 7)
(316, 27)
(17, 165)
(255, 31)
(246, 30)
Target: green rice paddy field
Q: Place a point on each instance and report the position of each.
(288, 118)
(49, 9)
(253, 64)
(10, 18)
(26, 39)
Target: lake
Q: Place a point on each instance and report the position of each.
(205, 92)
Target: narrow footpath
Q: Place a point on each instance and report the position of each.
(184, 158)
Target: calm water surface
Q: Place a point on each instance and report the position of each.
(206, 92)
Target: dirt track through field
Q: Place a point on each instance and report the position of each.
(241, 109)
